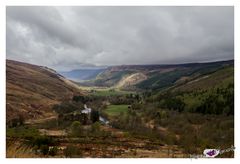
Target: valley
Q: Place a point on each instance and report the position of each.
(157, 111)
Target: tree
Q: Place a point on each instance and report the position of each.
(95, 127)
(17, 121)
(175, 104)
(21, 119)
(76, 128)
(136, 106)
(44, 149)
(79, 99)
(66, 107)
(94, 116)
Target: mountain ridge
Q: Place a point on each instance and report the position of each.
(31, 90)
(153, 76)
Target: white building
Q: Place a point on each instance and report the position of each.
(86, 110)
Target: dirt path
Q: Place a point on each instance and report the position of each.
(47, 117)
(56, 133)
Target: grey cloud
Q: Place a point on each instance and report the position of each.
(72, 37)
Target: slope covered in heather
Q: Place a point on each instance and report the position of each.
(32, 90)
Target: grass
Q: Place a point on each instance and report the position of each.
(104, 91)
(18, 150)
(220, 78)
(115, 110)
(22, 132)
(110, 92)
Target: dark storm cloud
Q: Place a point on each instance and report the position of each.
(72, 37)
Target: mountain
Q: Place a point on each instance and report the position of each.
(211, 93)
(31, 90)
(82, 74)
(154, 77)
(220, 78)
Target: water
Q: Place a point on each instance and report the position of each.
(101, 119)
(105, 121)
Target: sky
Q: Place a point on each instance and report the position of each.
(66, 38)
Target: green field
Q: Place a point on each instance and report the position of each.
(109, 92)
(115, 110)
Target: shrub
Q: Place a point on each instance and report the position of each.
(17, 121)
(72, 151)
(53, 151)
(22, 132)
(44, 149)
(82, 99)
(42, 140)
(136, 106)
(94, 116)
(67, 107)
(188, 143)
(175, 104)
(95, 127)
(76, 128)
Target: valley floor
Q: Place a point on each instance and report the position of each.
(117, 144)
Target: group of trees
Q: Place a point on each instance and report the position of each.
(72, 152)
(212, 101)
(77, 129)
(70, 111)
(122, 99)
(68, 107)
(220, 101)
(17, 121)
(87, 99)
(94, 116)
(46, 150)
(132, 122)
(82, 99)
(173, 104)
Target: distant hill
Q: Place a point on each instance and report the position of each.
(211, 93)
(82, 74)
(31, 90)
(154, 77)
(220, 78)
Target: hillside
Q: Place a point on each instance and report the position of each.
(31, 90)
(145, 77)
(211, 93)
(221, 78)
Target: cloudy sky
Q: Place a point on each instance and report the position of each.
(66, 38)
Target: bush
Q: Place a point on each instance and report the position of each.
(136, 106)
(170, 139)
(188, 143)
(18, 121)
(44, 149)
(22, 132)
(82, 99)
(42, 140)
(53, 151)
(94, 116)
(95, 127)
(67, 107)
(175, 104)
(72, 151)
(76, 128)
